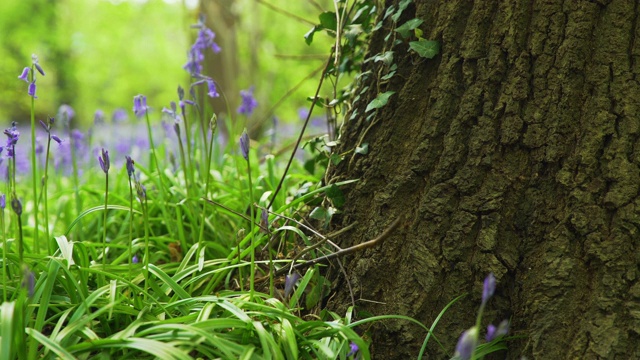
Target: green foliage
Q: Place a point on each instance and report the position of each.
(91, 51)
(425, 48)
(380, 101)
(184, 266)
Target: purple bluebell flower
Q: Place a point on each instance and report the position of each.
(495, 332)
(135, 259)
(489, 288)
(34, 61)
(289, 282)
(467, 344)
(12, 139)
(32, 90)
(130, 164)
(264, 221)
(119, 115)
(25, 74)
(44, 126)
(213, 92)
(491, 332)
(3, 201)
(172, 111)
(205, 40)
(249, 103)
(353, 349)
(47, 125)
(104, 161)
(56, 139)
(180, 93)
(66, 112)
(98, 117)
(244, 145)
(28, 280)
(39, 147)
(303, 112)
(140, 105)
(13, 135)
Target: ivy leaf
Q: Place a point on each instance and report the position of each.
(310, 165)
(363, 150)
(318, 213)
(386, 58)
(328, 20)
(425, 48)
(336, 196)
(401, 7)
(406, 28)
(380, 101)
(335, 159)
(388, 76)
(308, 37)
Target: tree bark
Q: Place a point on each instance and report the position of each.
(514, 151)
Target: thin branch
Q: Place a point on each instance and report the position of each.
(343, 252)
(285, 12)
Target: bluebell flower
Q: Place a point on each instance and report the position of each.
(3, 201)
(467, 344)
(119, 115)
(213, 92)
(56, 139)
(12, 135)
(130, 164)
(66, 112)
(104, 161)
(491, 332)
(303, 112)
(264, 221)
(140, 105)
(34, 61)
(353, 349)
(32, 90)
(489, 288)
(44, 126)
(244, 144)
(25, 74)
(172, 111)
(98, 117)
(249, 103)
(135, 259)
(495, 332)
(205, 40)
(289, 282)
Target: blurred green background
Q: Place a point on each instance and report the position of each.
(98, 54)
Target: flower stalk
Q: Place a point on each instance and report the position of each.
(105, 164)
(244, 148)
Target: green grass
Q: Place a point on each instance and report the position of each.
(172, 261)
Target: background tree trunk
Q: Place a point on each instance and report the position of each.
(515, 151)
(223, 67)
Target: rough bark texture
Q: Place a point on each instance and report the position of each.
(515, 151)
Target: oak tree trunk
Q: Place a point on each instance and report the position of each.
(514, 151)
